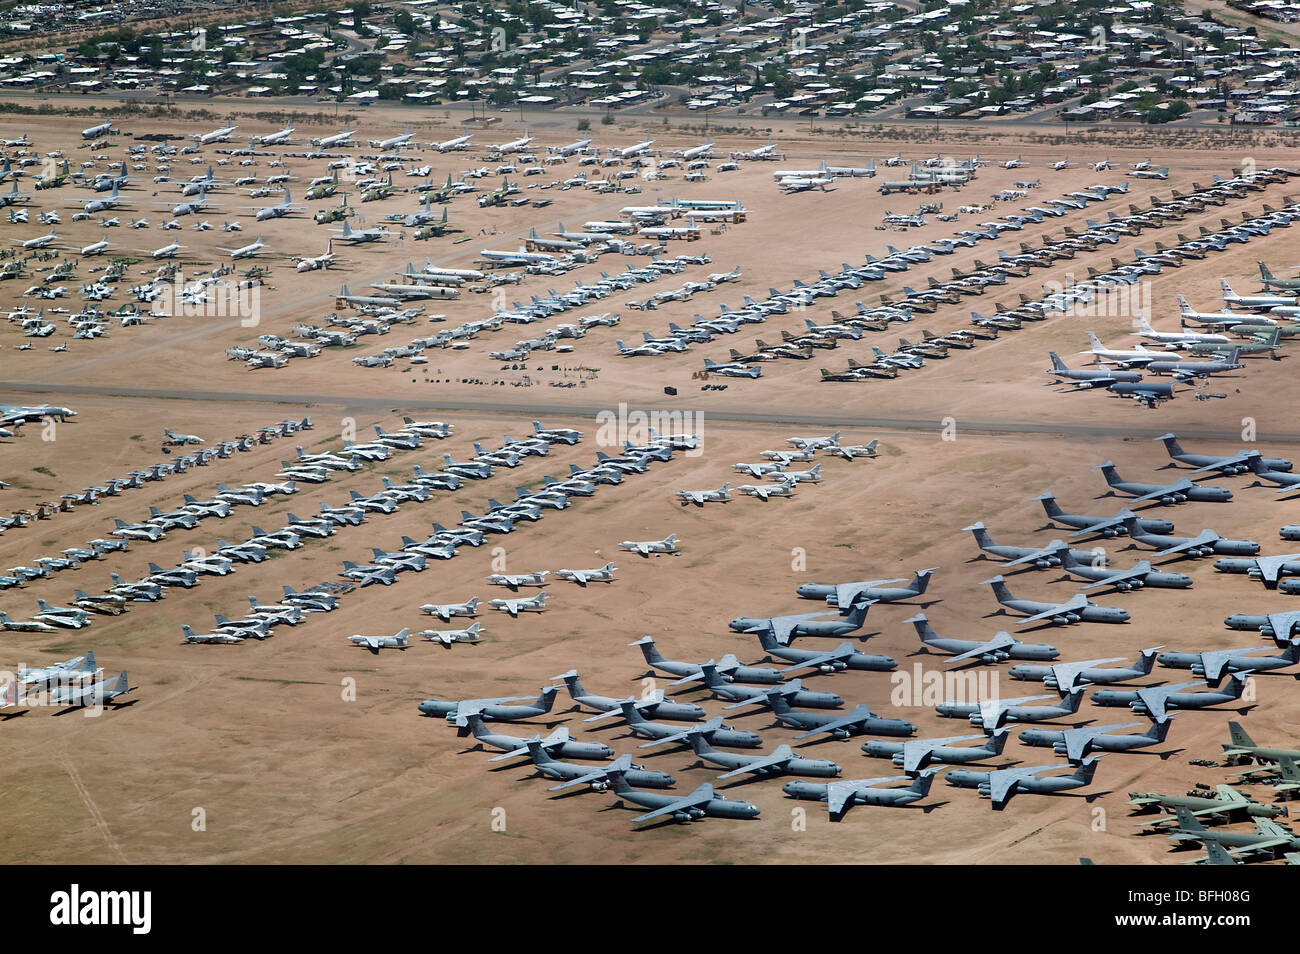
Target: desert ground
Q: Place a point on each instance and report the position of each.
(266, 738)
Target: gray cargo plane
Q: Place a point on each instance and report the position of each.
(491, 710)
(652, 705)
(1106, 526)
(856, 722)
(839, 795)
(1205, 543)
(785, 628)
(793, 692)
(1076, 609)
(715, 731)
(1076, 743)
(700, 803)
(1134, 578)
(782, 761)
(842, 657)
(1213, 665)
(1232, 464)
(1040, 557)
(1156, 701)
(915, 754)
(1065, 676)
(1176, 492)
(570, 773)
(1002, 646)
(559, 744)
(1001, 784)
(989, 714)
(847, 595)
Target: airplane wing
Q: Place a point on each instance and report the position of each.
(594, 776)
(780, 757)
(846, 593)
(1283, 623)
(1078, 601)
(1183, 484)
(1002, 785)
(701, 796)
(1270, 567)
(1239, 458)
(819, 660)
(1000, 641)
(1136, 572)
(1201, 539)
(1065, 673)
(1076, 741)
(1031, 557)
(841, 791)
(853, 718)
(1114, 521)
(1153, 698)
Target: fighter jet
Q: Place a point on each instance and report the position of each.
(1001, 784)
(841, 794)
(25, 626)
(604, 574)
(376, 643)
(515, 580)
(449, 636)
(1002, 646)
(1077, 743)
(445, 611)
(533, 604)
(701, 497)
(646, 547)
(1077, 608)
(192, 638)
(93, 695)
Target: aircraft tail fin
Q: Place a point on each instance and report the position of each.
(1238, 735)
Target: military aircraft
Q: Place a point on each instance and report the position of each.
(1065, 676)
(533, 604)
(490, 710)
(848, 595)
(1002, 646)
(840, 794)
(1076, 609)
(912, 755)
(217, 636)
(858, 721)
(785, 628)
(1175, 492)
(989, 714)
(652, 704)
(1001, 784)
(515, 580)
(93, 695)
(1156, 701)
(1076, 743)
(376, 643)
(646, 547)
(1269, 838)
(604, 574)
(558, 744)
(1242, 749)
(78, 667)
(1213, 665)
(1227, 804)
(781, 761)
(701, 497)
(715, 730)
(449, 636)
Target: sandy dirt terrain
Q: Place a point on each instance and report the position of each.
(266, 739)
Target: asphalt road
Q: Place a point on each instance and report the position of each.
(532, 409)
